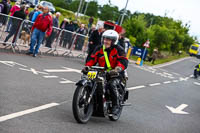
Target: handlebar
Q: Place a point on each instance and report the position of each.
(98, 67)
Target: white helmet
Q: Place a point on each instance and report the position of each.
(111, 34)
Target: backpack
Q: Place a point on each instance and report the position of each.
(1, 7)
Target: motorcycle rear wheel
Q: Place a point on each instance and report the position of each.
(82, 112)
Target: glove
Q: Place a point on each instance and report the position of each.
(118, 69)
(85, 69)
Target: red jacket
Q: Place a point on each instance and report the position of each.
(14, 9)
(45, 24)
(116, 55)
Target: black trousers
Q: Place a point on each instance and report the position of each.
(12, 32)
(51, 39)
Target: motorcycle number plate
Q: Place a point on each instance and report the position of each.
(92, 74)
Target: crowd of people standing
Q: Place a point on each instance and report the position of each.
(46, 28)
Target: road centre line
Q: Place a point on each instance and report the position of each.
(50, 77)
(175, 81)
(28, 111)
(155, 84)
(136, 87)
(167, 82)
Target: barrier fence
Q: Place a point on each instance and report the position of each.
(16, 33)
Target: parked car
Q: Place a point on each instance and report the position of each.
(49, 4)
(32, 3)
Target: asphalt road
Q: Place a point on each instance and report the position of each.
(36, 94)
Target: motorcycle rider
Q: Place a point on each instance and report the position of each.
(112, 57)
(197, 70)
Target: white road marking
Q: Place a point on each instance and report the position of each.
(33, 71)
(65, 81)
(12, 63)
(175, 81)
(65, 69)
(183, 79)
(196, 83)
(178, 110)
(155, 84)
(191, 76)
(176, 73)
(167, 82)
(21, 113)
(48, 77)
(169, 74)
(136, 87)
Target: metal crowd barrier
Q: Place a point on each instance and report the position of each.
(61, 42)
(10, 38)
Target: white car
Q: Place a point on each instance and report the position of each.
(49, 4)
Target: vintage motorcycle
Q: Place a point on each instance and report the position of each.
(91, 98)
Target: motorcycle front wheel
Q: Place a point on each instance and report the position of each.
(81, 109)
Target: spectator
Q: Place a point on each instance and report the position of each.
(68, 35)
(79, 38)
(92, 30)
(26, 10)
(16, 23)
(63, 25)
(30, 16)
(154, 55)
(35, 15)
(95, 40)
(76, 26)
(121, 41)
(127, 45)
(42, 24)
(15, 8)
(52, 37)
(91, 20)
(6, 9)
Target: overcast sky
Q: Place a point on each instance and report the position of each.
(185, 10)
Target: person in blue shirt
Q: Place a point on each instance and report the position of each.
(35, 15)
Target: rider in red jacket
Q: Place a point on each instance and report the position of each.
(112, 57)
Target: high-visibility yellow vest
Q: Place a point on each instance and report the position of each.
(107, 59)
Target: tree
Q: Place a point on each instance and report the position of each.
(108, 12)
(136, 27)
(92, 9)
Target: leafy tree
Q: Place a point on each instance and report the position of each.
(92, 9)
(136, 27)
(108, 12)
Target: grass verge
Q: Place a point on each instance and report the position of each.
(163, 60)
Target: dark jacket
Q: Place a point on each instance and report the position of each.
(95, 38)
(30, 16)
(70, 27)
(116, 55)
(19, 14)
(7, 7)
(121, 42)
(62, 23)
(82, 31)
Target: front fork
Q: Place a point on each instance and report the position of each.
(92, 92)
